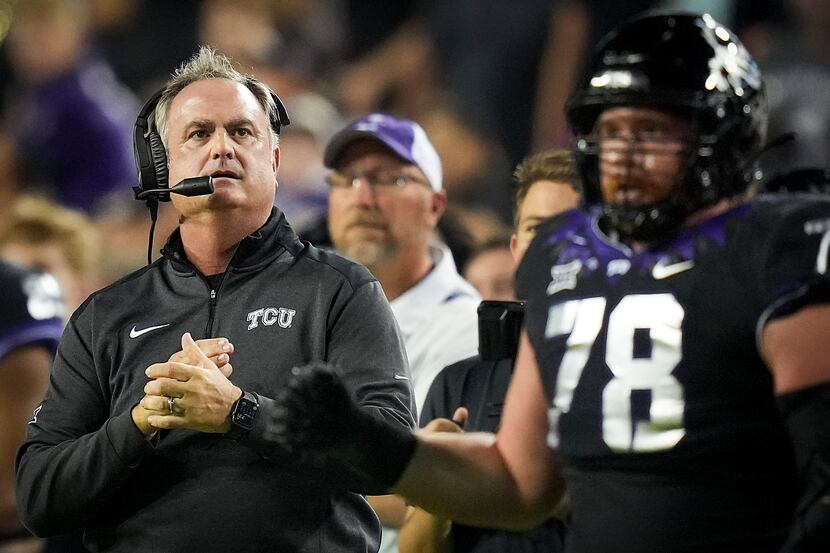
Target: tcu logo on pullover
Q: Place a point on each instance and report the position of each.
(270, 315)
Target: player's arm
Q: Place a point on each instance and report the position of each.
(795, 347)
(510, 482)
(25, 376)
(390, 509)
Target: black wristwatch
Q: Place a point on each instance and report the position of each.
(243, 415)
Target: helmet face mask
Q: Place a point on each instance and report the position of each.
(676, 64)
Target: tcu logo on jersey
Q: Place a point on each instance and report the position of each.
(270, 315)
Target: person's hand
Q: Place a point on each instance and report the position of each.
(218, 350)
(313, 410)
(459, 420)
(316, 414)
(140, 414)
(200, 395)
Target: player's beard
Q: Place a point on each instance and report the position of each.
(644, 183)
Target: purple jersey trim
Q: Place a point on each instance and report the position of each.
(583, 240)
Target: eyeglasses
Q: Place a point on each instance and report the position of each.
(384, 179)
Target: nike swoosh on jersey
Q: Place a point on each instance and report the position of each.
(401, 377)
(661, 270)
(136, 333)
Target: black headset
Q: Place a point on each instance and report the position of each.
(151, 156)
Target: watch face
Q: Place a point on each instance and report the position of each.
(245, 413)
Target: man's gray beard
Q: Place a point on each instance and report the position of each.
(369, 254)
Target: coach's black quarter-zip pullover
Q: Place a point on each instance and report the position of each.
(282, 303)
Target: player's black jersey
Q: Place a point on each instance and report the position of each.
(31, 309)
(661, 404)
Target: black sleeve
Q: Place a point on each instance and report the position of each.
(794, 272)
(366, 346)
(806, 413)
(76, 456)
(790, 253)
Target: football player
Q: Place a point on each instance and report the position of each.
(673, 370)
(30, 327)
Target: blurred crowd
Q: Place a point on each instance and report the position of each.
(486, 79)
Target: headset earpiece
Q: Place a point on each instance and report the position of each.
(150, 155)
(159, 157)
(280, 118)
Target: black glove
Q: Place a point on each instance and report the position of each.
(806, 413)
(315, 413)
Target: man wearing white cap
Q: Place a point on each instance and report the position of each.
(385, 202)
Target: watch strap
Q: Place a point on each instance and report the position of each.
(243, 414)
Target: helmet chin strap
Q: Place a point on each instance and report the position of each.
(647, 223)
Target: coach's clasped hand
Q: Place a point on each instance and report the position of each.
(191, 390)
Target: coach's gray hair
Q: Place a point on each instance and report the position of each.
(210, 64)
